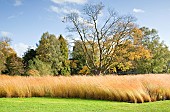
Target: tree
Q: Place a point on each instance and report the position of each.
(63, 47)
(39, 68)
(100, 40)
(128, 52)
(5, 52)
(29, 55)
(78, 58)
(160, 54)
(48, 51)
(14, 65)
(65, 70)
(2, 62)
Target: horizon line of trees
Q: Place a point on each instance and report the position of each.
(51, 57)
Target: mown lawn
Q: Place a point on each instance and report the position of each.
(77, 105)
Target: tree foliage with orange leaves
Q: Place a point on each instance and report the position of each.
(128, 52)
(160, 54)
(5, 52)
(124, 55)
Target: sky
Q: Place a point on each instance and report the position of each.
(24, 21)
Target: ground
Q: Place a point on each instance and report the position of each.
(77, 105)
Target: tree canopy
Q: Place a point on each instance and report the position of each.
(5, 52)
(51, 52)
(160, 54)
(105, 44)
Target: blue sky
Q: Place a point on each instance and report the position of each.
(24, 21)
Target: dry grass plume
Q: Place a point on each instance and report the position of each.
(138, 88)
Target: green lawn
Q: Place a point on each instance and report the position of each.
(77, 105)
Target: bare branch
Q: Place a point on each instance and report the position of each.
(100, 42)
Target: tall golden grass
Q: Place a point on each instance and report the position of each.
(137, 88)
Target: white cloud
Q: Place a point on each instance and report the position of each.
(69, 1)
(21, 48)
(85, 22)
(65, 10)
(15, 15)
(55, 9)
(18, 2)
(138, 10)
(5, 34)
(11, 17)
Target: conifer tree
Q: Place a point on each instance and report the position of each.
(48, 51)
(65, 70)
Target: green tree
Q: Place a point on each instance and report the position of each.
(14, 65)
(78, 58)
(29, 55)
(48, 51)
(160, 54)
(65, 70)
(63, 47)
(39, 67)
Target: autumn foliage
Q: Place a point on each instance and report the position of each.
(140, 88)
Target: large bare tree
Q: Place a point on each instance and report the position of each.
(100, 35)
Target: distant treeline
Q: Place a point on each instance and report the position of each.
(51, 57)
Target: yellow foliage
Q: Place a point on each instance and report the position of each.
(85, 70)
(137, 35)
(128, 52)
(73, 63)
(112, 70)
(33, 72)
(6, 49)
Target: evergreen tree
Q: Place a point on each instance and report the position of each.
(78, 59)
(39, 67)
(29, 55)
(63, 47)
(65, 70)
(48, 51)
